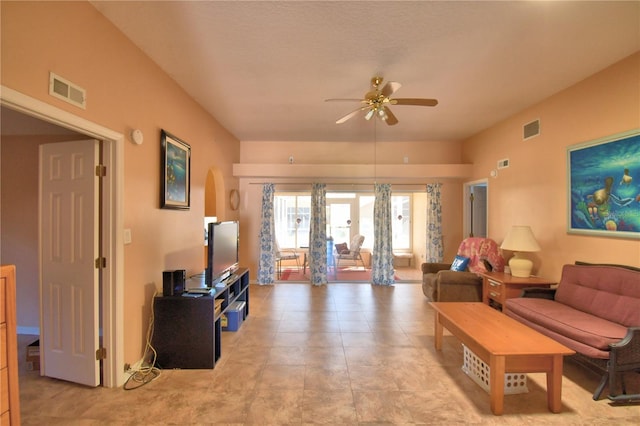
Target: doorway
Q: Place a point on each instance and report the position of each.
(113, 275)
(476, 209)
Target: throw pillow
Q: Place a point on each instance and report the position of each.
(342, 248)
(460, 263)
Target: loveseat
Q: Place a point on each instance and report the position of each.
(595, 310)
(441, 284)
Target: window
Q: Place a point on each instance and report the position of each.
(292, 214)
(348, 214)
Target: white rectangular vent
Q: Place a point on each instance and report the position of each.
(503, 164)
(67, 91)
(531, 130)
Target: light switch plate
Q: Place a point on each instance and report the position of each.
(127, 236)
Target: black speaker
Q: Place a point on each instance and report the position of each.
(179, 278)
(173, 282)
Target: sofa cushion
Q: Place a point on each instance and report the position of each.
(562, 319)
(342, 248)
(608, 292)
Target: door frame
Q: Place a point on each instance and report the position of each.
(113, 222)
(466, 211)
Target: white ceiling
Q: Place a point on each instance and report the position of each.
(263, 69)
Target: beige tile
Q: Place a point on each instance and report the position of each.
(292, 363)
(367, 377)
(382, 407)
(327, 356)
(276, 407)
(358, 339)
(327, 378)
(286, 356)
(332, 408)
(283, 377)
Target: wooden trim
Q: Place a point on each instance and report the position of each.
(8, 277)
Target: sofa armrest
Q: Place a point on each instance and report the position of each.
(630, 342)
(625, 356)
(432, 268)
(447, 278)
(539, 293)
(455, 286)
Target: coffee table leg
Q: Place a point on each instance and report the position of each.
(438, 331)
(554, 385)
(496, 379)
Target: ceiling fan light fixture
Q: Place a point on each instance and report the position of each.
(376, 100)
(370, 114)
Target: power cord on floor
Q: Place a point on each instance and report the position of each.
(146, 373)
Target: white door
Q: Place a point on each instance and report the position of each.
(340, 220)
(69, 247)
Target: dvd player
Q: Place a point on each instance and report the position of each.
(200, 290)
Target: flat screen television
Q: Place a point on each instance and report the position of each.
(222, 251)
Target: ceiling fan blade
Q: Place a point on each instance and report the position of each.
(389, 117)
(390, 88)
(414, 101)
(348, 116)
(343, 100)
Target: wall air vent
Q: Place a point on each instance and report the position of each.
(503, 164)
(67, 91)
(531, 130)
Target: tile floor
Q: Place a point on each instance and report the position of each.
(340, 354)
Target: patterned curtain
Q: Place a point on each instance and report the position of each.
(435, 250)
(382, 257)
(266, 265)
(318, 235)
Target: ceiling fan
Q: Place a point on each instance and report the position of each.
(376, 102)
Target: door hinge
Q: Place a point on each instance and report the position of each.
(101, 170)
(101, 353)
(101, 262)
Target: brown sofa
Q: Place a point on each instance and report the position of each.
(595, 311)
(440, 284)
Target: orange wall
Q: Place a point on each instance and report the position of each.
(434, 152)
(125, 90)
(421, 152)
(533, 190)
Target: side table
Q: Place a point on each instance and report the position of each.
(497, 287)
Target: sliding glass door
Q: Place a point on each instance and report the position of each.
(348, 214)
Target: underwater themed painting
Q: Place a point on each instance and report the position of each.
(175, 174)
(604, 184)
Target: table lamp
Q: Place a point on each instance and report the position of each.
(520, 239)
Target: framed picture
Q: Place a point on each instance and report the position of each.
(604, 186)
(175, 172)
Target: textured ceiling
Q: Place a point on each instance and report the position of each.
(263, 69)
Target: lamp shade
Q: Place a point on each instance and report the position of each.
(520, 238)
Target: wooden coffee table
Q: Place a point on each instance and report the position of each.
(505, 345)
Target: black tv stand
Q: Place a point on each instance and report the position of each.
(187, 331)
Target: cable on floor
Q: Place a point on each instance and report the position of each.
(146, 373)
